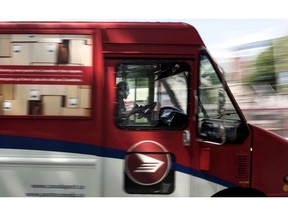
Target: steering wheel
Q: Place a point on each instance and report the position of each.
(146, 109)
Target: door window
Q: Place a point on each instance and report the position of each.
(152, 95)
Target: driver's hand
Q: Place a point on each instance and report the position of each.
(136, 109)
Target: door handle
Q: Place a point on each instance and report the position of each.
(186, 138)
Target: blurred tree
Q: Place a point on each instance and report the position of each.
(264, 69)
(281, 61)
(281, 54)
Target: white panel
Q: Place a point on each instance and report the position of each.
(113, 177)
(114, 181)
(203, 188)
(39, 173)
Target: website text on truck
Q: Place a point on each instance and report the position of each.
(125, 109)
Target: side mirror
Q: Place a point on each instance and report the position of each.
(213, 131)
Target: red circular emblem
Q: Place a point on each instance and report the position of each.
(147, 163)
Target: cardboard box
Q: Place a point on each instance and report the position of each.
(16, 107)
(80, 53)
(24, 38)
(27, 92)
(71, 91)
(87, 55)
(51, 105)
(5, 47)
(42, 53)
(85, 98)
(1, 105)
(76, 37)
(5, 61)
(7, 90)
(75, 112)
(46, 38)
(53, 89)
(20, 53)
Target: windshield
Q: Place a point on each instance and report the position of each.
(213, 98)
(218, 119)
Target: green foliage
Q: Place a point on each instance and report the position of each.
(281, 54)
(265, 69)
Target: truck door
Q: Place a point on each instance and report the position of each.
(147, 104)
(223, 137)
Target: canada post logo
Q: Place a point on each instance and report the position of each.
(147, 163)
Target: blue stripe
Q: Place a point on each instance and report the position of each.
(203, 175)
(28, 143)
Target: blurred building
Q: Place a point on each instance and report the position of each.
(264, 103)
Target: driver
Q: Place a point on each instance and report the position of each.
(122, 94)
(122, 113)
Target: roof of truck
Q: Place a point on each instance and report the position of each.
(114, 32)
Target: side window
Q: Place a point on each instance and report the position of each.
(45, 74)
(152, 95)
(218, 120)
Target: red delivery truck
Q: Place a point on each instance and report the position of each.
(125, 109)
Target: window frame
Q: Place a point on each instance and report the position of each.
(151, 62)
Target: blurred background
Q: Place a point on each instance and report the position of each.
(254, 56)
